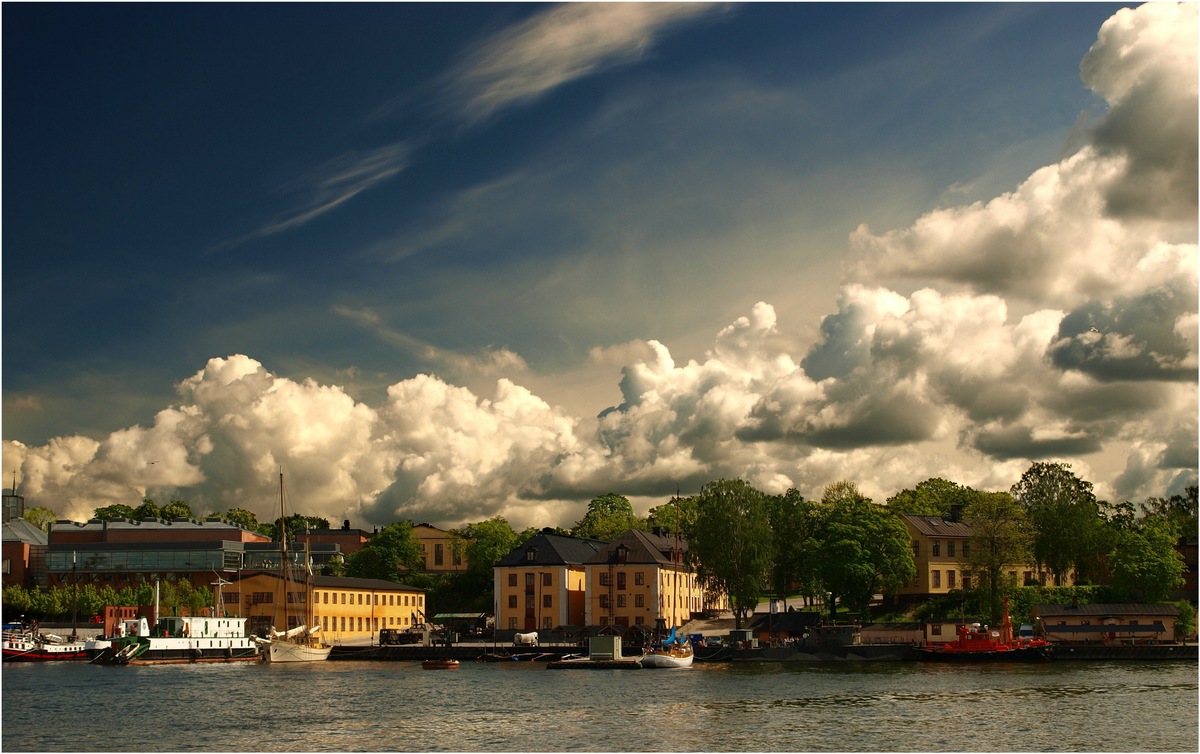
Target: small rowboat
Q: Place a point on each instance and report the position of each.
(440, 664)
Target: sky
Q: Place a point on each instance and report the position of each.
(442, 262)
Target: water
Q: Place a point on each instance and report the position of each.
(518, 707)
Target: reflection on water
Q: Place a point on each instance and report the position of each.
(365, 706)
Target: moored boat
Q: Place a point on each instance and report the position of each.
(675, 652)
(181, 639)
(299, 643)
(976, 643)
(445, 664)
(26, 645)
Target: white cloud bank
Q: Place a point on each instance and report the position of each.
(1098, 249)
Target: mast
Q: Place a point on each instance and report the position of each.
(284, 569)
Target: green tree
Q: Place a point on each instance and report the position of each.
(863, 548)
(110, 512)
(1001, 536)
(148, 509)
(679, 513)
(389, 551)
(177, 509)
(243, 518)
(933, 497)
(793, 528)
(732, 542)
(482, 544)
(608, 517)
(1179, 509)
(1144, 564)
(40, 517)
(297, 524)
(1069, 530)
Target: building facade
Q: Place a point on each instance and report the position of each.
(350, 610)
(940, 548)
(642, 578)
(542, 583)
(1107, 624)
(441, 551)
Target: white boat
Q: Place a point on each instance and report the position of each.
(299, 643)
(25, 645)
(181, 639)
(674, 653)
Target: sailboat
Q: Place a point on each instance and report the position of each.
(300, 643)
(675, 652)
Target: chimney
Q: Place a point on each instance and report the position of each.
(955, 513)
(346, 525)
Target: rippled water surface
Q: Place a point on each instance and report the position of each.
(516, 707)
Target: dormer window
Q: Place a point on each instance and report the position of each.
(531, 555)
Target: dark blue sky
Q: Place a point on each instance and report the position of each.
(358, 194)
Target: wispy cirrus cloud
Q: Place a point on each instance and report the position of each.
(330, 185)
(568, 42)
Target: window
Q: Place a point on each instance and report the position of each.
(343, 598)
(966, 582)
(639, 600)
(529, 579)
(343, 623)
(258, 598)
(936, 629)
(512, 601)
(547, 600)
(621, 580)
(966, 549)
(916, 547)
(604, 580)
(639, 579)
(604, 602)
(950, 579)
(326, 598)
(937, 579)
(512, 579)
(547, 579)
(531, 555)
(937, 548)
(950, 549)
(360, 620)
(512, 623)
(529, 602)
(639, 620)
(439, 556)
(620, 600)
(547, 623)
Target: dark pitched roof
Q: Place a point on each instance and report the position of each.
(341, 582)
(642, 548)
(935, 526)
(552, 549)
(1101, 610)
(20, 530)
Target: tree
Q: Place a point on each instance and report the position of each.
(483, 544)
(389, 551)
(793, 527)
(148, 509)
(243, 518)
(863, 549)
(41, 517)
(1065, 515)
(1144, 564)
(933, 497)
(678, 514)
(1001, 536)
(110, 512)
(732, 542)
(608, 517)
(1179, 509)
(176, 509)
(297, 524)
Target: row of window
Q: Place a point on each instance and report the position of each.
(935, 549)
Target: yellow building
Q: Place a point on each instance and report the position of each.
(350, 610)
(940, 546)
(541, 584)
(441, 551)
(642, 578)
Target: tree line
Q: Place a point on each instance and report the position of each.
(840, 550)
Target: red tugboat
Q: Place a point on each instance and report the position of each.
(981, 644)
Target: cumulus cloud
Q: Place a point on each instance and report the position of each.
(560, 45)
(1055, 322)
